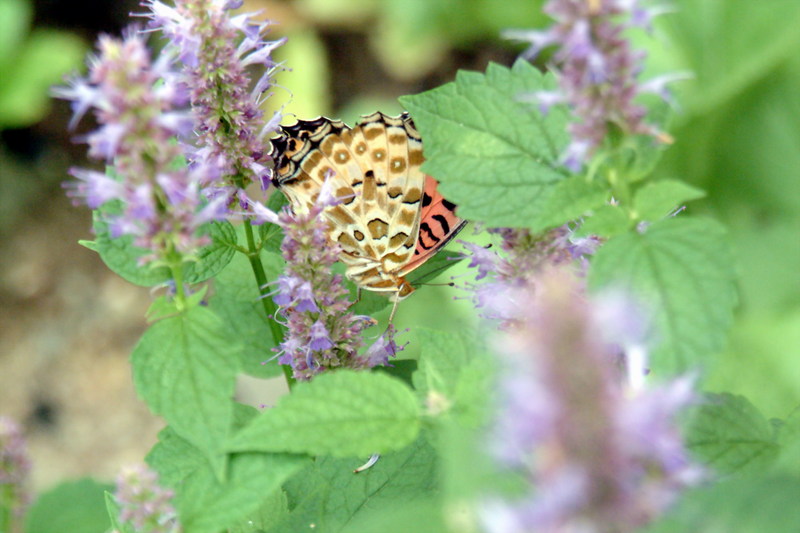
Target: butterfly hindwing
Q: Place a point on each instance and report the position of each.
(390, 219)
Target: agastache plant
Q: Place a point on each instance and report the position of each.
(216, 49)
(600, 455)
(15, 468)
(597, 70)
(140, 106)
(322, 332)
(562, 419)
(143, 504)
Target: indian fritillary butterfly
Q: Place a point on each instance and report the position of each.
(391, 218)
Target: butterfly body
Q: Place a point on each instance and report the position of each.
(391, 218)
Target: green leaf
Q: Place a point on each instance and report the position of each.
(329, 495)
(682, 270)
(15, 20)
(184, 369)
(38, 64)
(729, 46)
(207, 505)
(237, 303)
(454, 374)
(606, 221)
(655, 200)
(742, 505)
(211, 259)
(730, 435)
(494, 155)
(789, 441)
(342, 414)
(272, 512)
(113, 509)
(568, 200)
(74, 506)
(434, 267)
(122, 257)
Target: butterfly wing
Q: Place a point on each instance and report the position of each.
(438, 226)
(375, 170)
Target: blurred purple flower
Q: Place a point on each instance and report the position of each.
(598, 70)
(14, 468)
(144, 505)
(216, 49)
(137, 103)
(522, 257)
(599, 455)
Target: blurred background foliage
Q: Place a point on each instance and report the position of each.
(67, 324)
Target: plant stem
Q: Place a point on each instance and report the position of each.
(269, 306)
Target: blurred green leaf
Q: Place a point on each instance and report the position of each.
(730, 435)
(730, 45)
(741, 505)
(15, 20)
(74, 506)
(655, 200)
(568, 200)
(606, 221)
(40, 63)
(495, 156)
(682, 269)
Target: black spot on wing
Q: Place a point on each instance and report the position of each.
(443, 223)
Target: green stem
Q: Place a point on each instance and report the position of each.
(269, 306)
(176, 267)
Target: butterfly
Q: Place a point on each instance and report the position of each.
(391, 218)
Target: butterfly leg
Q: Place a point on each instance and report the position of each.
(394, 310)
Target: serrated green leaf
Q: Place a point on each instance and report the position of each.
(74, 506)
(730, 435)
(656, 200)
(606, 221)
(342, 414)
(184, 367)
(329, 495)
(122, 257)
(207, 505)
(213, 258)
(494, 155)
(682, 270)
(236, 301)
(568, 200)
(742, 505)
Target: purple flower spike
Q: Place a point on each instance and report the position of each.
(599, 455)
(144, 505)
(323, 334)
(598, 69)
(138, 105)
(216, 48)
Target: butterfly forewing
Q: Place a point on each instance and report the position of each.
(391, 218)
